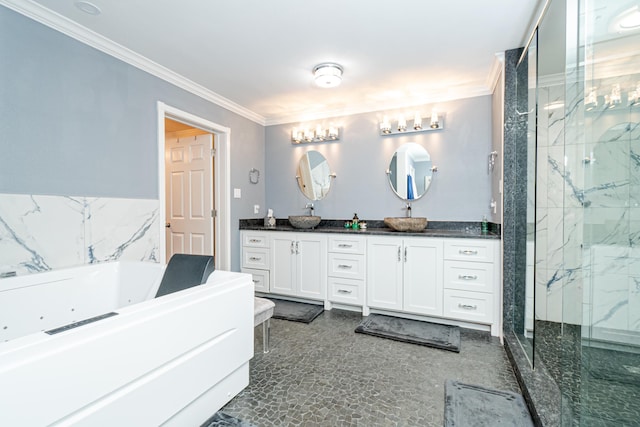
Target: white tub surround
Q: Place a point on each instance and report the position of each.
(41, 233)
(172, 360)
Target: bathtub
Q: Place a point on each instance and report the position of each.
(90, 346)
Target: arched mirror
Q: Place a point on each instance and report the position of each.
(314, 175)
(410, 171)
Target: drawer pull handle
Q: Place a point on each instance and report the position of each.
(467, 277)
(345, 245)
(468, 306)
(255, 240)
(347, 266)
(255, 258)
(256, 281)
(343, 291)
(468, 252)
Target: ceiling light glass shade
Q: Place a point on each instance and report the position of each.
(628, 20)
(417, 121)
(327, 75)
(402, 124)
(591, 101)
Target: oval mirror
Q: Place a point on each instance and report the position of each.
(313, 175)
(410, 171)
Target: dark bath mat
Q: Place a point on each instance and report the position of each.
(444, 337)
(296, 311)
(220, 419)
(471, 405)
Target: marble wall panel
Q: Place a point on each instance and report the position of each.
(40, 233)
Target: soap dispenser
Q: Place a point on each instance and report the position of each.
(355, 222)
(485, 225)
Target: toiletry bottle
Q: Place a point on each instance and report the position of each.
(355, 222)
(485, 225)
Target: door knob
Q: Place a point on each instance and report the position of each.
(168, 225)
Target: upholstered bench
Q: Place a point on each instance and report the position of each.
(262, 312)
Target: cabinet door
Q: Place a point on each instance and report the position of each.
(283, 257)
(423, 276)
(384, 273)
(311, 266)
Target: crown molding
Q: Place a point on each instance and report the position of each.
(496, 70)
(82, 34)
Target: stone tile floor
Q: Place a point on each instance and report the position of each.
(324, 374)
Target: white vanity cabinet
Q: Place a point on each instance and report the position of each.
(405, 274)
(298, 265)
(255, 258)
(346, 270)
(470, 285)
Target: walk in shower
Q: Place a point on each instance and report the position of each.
(579, 95)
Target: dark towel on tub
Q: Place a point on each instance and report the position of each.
(185, 271)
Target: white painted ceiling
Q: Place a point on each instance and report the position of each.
(260, 54)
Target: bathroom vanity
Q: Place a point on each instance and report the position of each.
(447, 273)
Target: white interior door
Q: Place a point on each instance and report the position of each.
(189, 206)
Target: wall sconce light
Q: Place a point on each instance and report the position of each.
(417, 121)
(320, 134)
(615, 98)
(436, 123)
(591, 101)
(402, 124)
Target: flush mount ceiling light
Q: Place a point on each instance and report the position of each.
(88, 7)
(628, 20)
(327, 74)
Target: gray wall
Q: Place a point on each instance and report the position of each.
(75, 121)
(460, 190)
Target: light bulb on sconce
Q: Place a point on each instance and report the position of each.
(435, 122)
(417, 121)
(591, 101)
(402, 124)
(634, 97)
(385, 126)
(615, 98)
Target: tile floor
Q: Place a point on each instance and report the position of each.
(324, 374)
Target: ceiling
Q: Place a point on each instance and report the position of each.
(260, 54)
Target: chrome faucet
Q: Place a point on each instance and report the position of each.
(408, 208)
(310, 207)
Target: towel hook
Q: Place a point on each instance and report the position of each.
(254, 176)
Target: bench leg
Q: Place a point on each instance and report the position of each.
(266, 331)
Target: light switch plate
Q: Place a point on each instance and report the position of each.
(237, 193)
(256, 209)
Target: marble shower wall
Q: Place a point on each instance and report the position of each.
(588, 211)
(39, 233)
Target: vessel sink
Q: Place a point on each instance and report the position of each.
(406, 224)
(304, 221)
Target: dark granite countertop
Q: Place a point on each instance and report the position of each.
(451, 229)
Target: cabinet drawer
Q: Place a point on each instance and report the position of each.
(469, 250)
(347, 245)
(471, 306)
(347, 266)
(347, 291)
(260, 279)
(468, 276)
(255, 240)
(255, 258)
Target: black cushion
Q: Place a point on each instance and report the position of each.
(185, 271)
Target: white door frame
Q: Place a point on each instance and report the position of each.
(221, 177)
